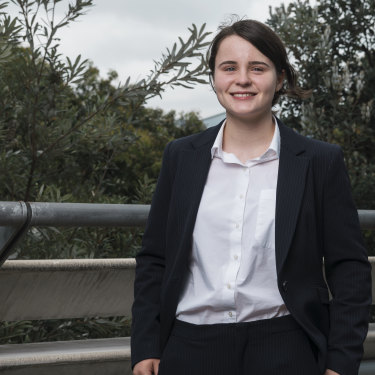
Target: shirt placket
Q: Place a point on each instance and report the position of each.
(235, 251)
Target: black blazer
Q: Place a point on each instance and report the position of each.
(315, 219)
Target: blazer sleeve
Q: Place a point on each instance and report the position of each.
(348, 271)
(150, 265)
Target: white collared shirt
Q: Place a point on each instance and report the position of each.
(232, 267)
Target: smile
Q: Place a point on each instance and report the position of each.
(244, 95)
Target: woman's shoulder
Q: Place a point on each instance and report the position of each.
(307, 143)
(319, 145)
(194, 140)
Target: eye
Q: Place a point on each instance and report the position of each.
(229, 69)
(257, 69)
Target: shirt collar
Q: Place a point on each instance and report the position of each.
(273, 148)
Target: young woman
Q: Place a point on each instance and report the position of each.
(230, 276)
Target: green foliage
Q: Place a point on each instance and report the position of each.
(8, 34)
(68, 135)
(58, 112)
(64, 329)
(333, 46)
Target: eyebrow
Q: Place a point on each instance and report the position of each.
(250, 63)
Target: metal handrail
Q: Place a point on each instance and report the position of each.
(75, 214)
(367, 219)
(99, 215)
(17, 217)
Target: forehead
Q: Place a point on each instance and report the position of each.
(235, 48)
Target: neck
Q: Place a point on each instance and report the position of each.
(248, 139)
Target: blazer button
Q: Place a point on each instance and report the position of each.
(285, 285)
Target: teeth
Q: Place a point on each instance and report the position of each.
(243, 95)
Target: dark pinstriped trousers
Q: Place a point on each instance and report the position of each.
(275, 346)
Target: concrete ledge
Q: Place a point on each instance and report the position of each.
(59, 289)
(367, 368)
(94, 357)
(67, 264)
(73, 288)
(369, 345)
(89, 368)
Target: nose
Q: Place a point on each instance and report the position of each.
(243, 78)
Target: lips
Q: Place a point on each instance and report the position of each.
(242, 95)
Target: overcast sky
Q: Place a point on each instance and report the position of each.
(127, 36)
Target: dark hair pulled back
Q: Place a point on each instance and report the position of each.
(269, 44)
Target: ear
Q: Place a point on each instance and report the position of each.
(212, 81)
(280, 80)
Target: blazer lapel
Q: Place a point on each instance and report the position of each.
(193, 168)
(196, 164)
(293, 167)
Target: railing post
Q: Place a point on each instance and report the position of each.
(17, 228)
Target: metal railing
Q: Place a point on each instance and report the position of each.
(15, 220)
(17, 217)
(367, 219)
(96, 214)
(74, 214)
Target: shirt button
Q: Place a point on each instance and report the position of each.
(237, 225)
(230, 313)
(241, 196)
(236, 257)
(228, 286)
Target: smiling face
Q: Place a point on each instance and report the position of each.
(245, 80)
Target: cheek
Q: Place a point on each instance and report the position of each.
(221, 87)
(221, 80)
(268, 86)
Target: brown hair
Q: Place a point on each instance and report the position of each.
(269, 44)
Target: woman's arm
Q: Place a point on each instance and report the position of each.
(348, 271)
(149, 275)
